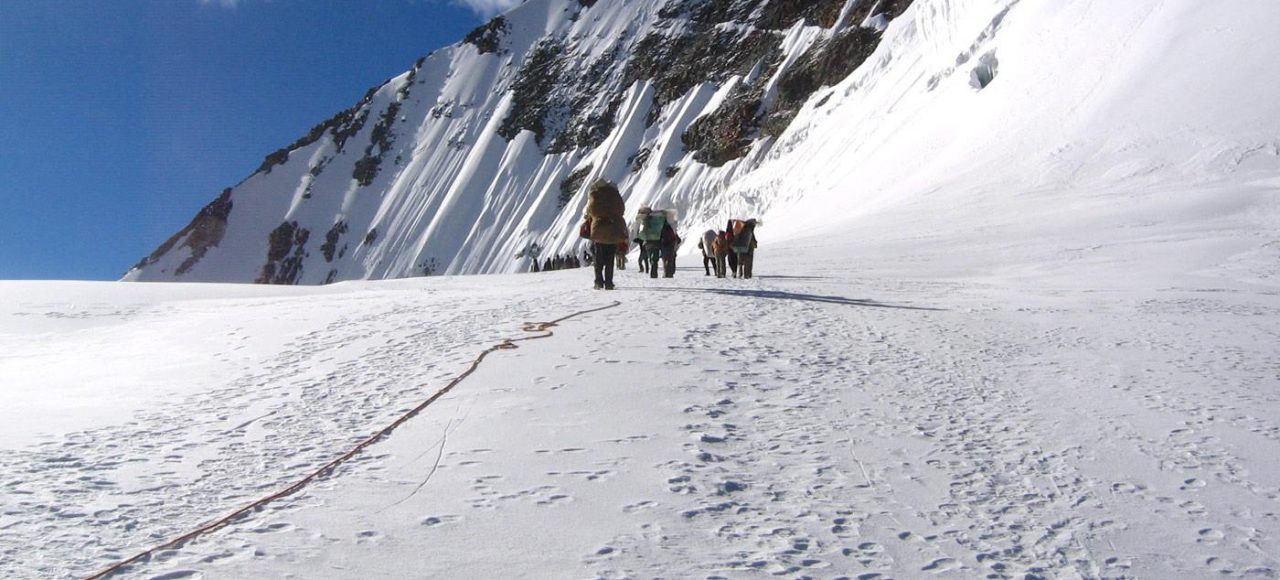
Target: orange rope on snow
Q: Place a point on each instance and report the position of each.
(327, 469)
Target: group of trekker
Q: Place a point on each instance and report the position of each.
(561, 262)
(654, 232)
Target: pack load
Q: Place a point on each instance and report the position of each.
(743, 232)
(723, 241)
(652, 222)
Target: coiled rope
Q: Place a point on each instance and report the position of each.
(327, 469)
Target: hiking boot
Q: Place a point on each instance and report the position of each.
(608, 286)
(599, 285)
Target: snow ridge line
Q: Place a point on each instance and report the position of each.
(328, 468)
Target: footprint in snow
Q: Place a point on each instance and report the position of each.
(942, 565)
(434, 521)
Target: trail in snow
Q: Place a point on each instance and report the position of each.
(180, 463)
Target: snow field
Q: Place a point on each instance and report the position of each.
(894, 407)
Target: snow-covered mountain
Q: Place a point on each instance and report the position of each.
(483, 150)
(813, 112)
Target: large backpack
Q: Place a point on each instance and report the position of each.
(743, 232)
(651, 226)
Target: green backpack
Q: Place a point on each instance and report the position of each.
(651, 226)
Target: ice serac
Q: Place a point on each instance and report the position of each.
(809, 114)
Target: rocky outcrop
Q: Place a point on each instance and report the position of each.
(204, 232)
(286, 250)
(488, 38)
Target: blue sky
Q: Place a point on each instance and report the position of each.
(119, 120)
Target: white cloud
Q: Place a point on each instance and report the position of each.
(484, 8)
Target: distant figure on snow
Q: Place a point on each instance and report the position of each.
(708, 254)
(743, 234)
(721, 248)
(644, 264)
(649, 226)
(622, 255)
(670, 243)
(608, 227)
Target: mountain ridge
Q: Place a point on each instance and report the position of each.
(568, 86)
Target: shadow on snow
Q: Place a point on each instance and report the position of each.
(780, 295)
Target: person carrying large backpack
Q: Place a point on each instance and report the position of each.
(606, 226)
(708, 253)
(650, 225)
(720, 249)
(670, 242)
(744, 243)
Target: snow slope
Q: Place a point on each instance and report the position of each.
(1115, 98)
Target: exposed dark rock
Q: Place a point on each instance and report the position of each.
(709, 11)
(726, 133)
(678, 63)
(277, 157)
(488, 37)
(560, 103)
(380, 140)
(640, 159)
(205, 231)
(340, 126)
(286, 249)
(826, 63)
(330, 245)
(370, 237)
(783, 14)
(533, 90)
(570, 186)
(890, 9)
(348, 128)
(407, 88)
(586, 130)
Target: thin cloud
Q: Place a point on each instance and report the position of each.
(485, 9)
(220, 3)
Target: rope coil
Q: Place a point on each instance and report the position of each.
(328, 468)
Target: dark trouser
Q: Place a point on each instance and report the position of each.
(603, 263)
(668, 260)
(733, 263)
(720, 266)
(651, 253)
(745, 261)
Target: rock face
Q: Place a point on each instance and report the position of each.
(204, 232)
(482, 150)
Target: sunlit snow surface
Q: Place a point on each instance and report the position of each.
(1078, 397)
(1024, 331)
